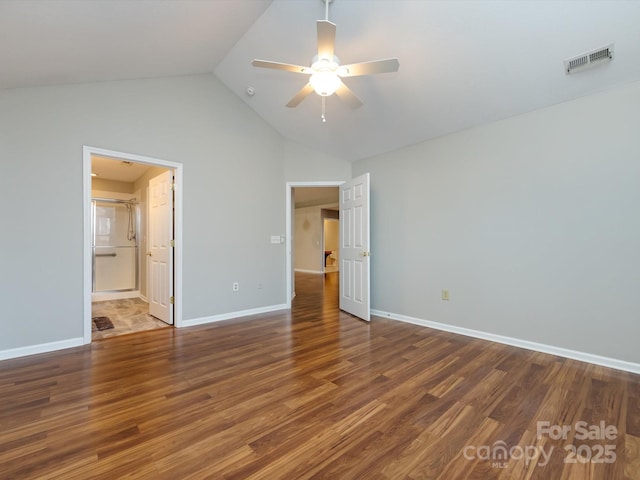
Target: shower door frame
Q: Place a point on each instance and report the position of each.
(136, 247)
(87, 153)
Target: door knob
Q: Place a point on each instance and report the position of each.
(148, 254)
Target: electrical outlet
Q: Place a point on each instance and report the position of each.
(236, 286)
(445, 295)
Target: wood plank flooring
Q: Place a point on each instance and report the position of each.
(312, 393)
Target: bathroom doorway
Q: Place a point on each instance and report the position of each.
(125, 225)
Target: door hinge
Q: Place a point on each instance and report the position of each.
(172, 300)
(173, 243)
(173, 187)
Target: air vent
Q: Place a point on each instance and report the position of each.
(589, 59)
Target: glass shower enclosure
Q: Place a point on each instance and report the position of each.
(115, 225)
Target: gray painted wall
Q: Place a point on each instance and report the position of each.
(304, 164)
(230, 156)
(531, 223)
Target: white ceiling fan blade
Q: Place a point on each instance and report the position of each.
(281, 66)
(326, 39)
(346, 95)
(301, 95)
(369, 68)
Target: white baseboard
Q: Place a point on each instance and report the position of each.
(144, 299)
(41, 348)
(516, 342)
(230, 315)
(302, 270)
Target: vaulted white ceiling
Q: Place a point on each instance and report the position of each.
(49, 42)
(462, 63)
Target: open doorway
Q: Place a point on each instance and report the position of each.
(354, 243)
(132, 261)
(309, 251)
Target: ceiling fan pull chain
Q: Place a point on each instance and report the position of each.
(324, 119)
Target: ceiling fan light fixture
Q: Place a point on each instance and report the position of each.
(324, 78)
(325, 83)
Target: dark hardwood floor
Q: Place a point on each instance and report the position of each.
(313, 393)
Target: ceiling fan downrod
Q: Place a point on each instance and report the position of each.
(326, 18)
(326, 9)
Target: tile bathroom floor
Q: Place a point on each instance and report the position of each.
(128, 316)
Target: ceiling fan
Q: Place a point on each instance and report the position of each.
(325, 70)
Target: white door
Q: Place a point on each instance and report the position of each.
(160, 254)
(354, 247)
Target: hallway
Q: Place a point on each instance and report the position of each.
(316, 290)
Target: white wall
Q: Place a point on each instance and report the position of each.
(308, 240)
(532, 223)
(230, 157)
(111, 185)
(308, 232)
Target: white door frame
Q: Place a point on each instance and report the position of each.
(289, 229)
(87, 152)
